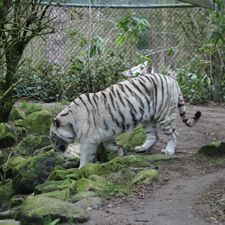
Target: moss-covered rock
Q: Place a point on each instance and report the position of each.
(29, 107)
(20, 123)
(35, 210)
(17, 200)
(9, 222)
(31, 171)
(39, 122)
(145, 177)
(132, 138)
(31, 143)
(93, 183)
(89, 203)
(49, 186)
(60, 173)
(17, 114)
(214, 149)
(9, 214)
(82, 195)
(63, 195)
(6, 192)
(7, 136)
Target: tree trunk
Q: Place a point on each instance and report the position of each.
(6, 100)
(217, 78)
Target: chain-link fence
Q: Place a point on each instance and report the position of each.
(169, 41)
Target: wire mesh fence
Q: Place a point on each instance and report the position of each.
(169, 42)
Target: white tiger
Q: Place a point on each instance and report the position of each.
(99, 117)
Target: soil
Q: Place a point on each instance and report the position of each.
(176, 199)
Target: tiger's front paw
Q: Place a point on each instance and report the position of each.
(140, 149)
(167, 151)
(121, 150)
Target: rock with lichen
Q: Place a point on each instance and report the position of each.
(37, 209)
(213, 149)
(7, 135)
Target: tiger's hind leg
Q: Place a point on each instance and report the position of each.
(168, 127)
(151, 136)
(114, 147)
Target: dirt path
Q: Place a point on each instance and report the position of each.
(170, 205)
(171, 201)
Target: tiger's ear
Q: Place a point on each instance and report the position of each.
(56, 122)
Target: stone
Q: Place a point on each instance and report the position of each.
(50, 186)
(8, 214)
(146, 177)
(6, 192)
(31, 171)
(63, 195)
(60, 173)
(82, 195)
(17, 200)
(7, 136)
(39, 123)
(31, 143)
(39, 208)
(9, 222)
(214, 149)
(131, 139)
(29, 107)
(89, 203)
(17, 114)
(93, 183)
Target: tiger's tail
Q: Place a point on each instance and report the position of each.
(190, 122)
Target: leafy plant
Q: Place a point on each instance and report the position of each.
(54, 222)
(130, 28)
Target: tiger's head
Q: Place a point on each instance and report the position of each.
(62, 130)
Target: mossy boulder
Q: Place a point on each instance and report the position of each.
(31, 143)
(7, 136)
(60, 173)
(6, 192)
(39, 122)
(89, 203)
(17, 114)
(63, 195)
(214, 149)
(35, 210)
(132, 138)
(82, 195)
(49, 186)
(9, 222)
(146, 177)
(31, 171)
(17, 200)
(29, 107)
(93, 183)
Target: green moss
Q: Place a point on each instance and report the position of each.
(60, 173)
(7, 136)
(81, 195)
(93, 183)
(50, 186)
(32, 171)
(146, 177)
(29, 107)
(132, 138)
(39, 208)
(17, 200)
(63, 195)
(6, 192)
(31, 143)
(20, 123)
(17, 114)
(214, 149)
(39, 122)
